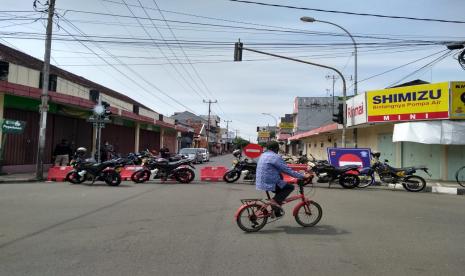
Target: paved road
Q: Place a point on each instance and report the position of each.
(175, 229)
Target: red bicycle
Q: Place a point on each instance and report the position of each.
(253, 214)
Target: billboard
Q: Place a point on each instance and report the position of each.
(356, 110)
(349, 156)
(409, 103)
(286, 125)
(457, 100)
(263, 134)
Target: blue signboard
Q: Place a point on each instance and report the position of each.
(349, 156)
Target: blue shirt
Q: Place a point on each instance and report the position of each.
(269, 169)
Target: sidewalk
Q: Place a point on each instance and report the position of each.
(19, 178)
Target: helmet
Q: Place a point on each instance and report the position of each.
(81, 150)
(237, 153)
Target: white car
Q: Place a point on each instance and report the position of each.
(192, 153)
(205, 154)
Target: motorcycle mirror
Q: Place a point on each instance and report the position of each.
(385, 160)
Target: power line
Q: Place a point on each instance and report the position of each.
(429, 64)
(351, 13)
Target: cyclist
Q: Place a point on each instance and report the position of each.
(269, 169)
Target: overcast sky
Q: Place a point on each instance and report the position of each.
(188, 58)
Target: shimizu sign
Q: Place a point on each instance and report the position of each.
(457, 100)
(409, 103)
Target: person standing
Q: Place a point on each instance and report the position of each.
(62, 153)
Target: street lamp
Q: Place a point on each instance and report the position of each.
(275, 119)
(311, 20)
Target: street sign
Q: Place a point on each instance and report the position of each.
(253, 150)
(13, 126)
(349, 156)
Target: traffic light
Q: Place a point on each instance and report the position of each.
(107, 108)
(339, 116)
(258, 129)
(238, 51)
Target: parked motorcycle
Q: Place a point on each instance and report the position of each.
(240, 166)
(387, 174)
(328, 173)
(162, 168)
(85, 169)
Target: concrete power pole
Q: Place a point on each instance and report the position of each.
(208, 123)
(227, 133)
(44, 98)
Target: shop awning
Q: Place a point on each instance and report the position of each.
(315, 131)
(431, 132)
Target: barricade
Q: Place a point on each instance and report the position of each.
(58, 173)
(302, 168)
(212, 173)
(128, 170)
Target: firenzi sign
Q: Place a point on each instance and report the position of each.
(409, 103)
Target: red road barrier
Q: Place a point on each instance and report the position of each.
(302, 168)
(58, 173)
(128, 170)
(212, 173)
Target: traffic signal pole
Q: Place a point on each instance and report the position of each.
(238, 57)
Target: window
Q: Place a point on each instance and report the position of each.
(52, 82)
(94, 95)
(4, 69)
(135, 109)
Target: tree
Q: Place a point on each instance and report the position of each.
(239, 142)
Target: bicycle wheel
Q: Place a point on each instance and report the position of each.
(309, 214)
(460, 176)
(252, 218)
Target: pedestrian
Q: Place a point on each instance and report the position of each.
(106, 151)
(62, 153)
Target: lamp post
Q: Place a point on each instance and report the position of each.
(275, 121)
(311, 20)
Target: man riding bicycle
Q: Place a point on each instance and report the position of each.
(268, 177)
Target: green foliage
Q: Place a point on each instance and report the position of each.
(240, 142)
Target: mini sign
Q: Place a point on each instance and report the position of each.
(13, 126)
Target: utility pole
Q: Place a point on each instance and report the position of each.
(208, 123)
(227, 133)
(333, 78)
(43, 108)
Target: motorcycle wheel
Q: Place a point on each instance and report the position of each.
(140, 176)
(74, 178)
(414, 183)
(184, 175)
(349, 181)
(112, 178)
(231, 176)
(366, 180)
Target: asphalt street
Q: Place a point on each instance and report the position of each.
(189, 229)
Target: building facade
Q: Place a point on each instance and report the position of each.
(133, 126)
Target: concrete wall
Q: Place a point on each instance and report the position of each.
(148, 113)
(23, 75)
(72, 89)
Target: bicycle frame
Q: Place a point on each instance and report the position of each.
(300, 196)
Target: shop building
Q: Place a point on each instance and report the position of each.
(409, 125)
(133, 126)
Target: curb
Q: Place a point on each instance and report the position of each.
(434, 189)
(16, 181)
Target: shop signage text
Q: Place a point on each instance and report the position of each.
(410, 103)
